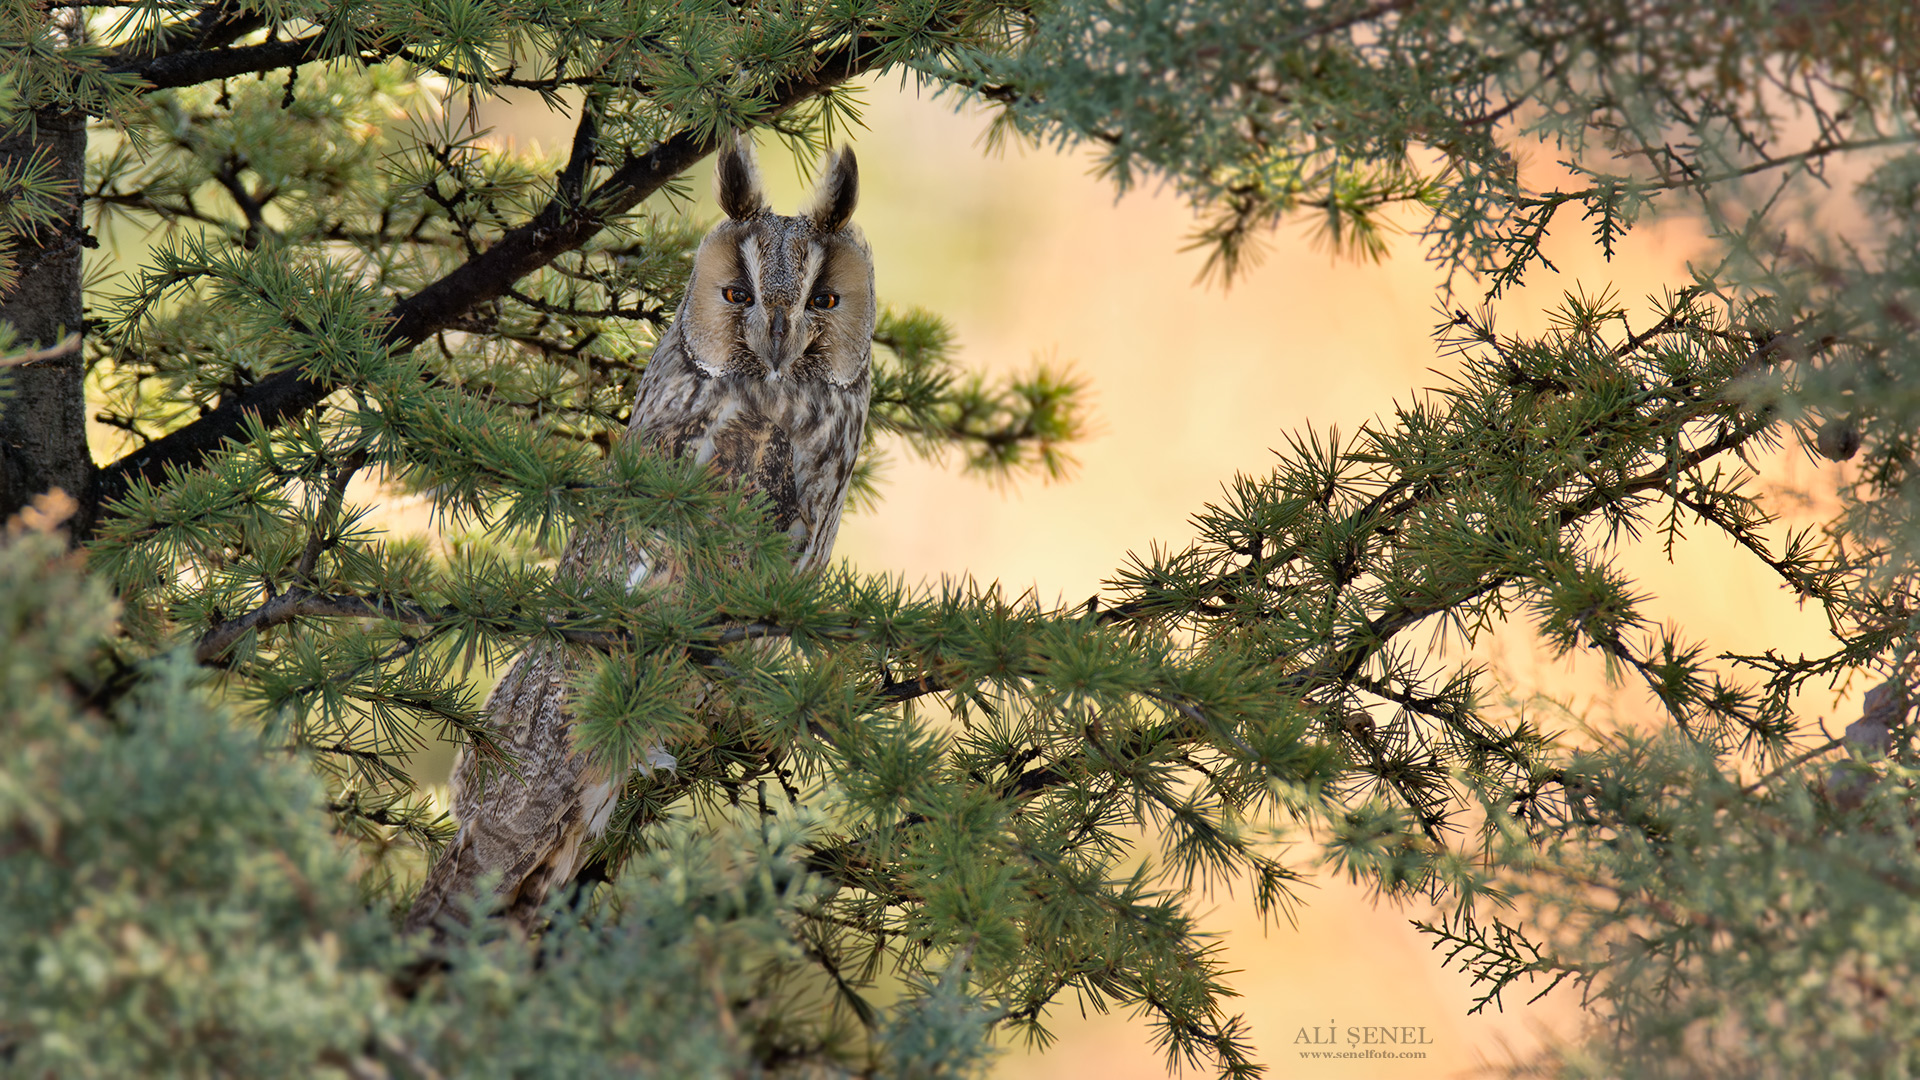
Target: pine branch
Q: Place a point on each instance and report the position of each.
(299, 603)
(174, 70)
(216, 24)
(302, 603)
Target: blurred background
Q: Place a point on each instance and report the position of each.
(1031, 256)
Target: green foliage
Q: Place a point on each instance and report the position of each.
(1021, 424)
(175, 905)
(173, 902)
(697, 975)
(1722, 927)
(900, 818)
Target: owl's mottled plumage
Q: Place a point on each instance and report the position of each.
(765, 376)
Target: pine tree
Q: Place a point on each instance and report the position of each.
(917, 820)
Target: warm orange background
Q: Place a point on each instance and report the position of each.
(1029, 255)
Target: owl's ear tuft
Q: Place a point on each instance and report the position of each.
(839, 190)
(736, 179)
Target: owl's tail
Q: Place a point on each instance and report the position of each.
(526, 830)
(453, 876)
(528, 870)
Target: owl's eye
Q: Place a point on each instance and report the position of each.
(825, 301)
(733, 294)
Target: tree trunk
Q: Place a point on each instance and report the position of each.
(43, 413)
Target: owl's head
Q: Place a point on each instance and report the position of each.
(782, 298)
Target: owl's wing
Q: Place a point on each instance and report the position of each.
(525, 819)
(531, 820)
(534, 828)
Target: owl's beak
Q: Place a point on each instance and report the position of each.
(777, 339)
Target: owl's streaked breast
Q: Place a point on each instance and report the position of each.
(792, 442)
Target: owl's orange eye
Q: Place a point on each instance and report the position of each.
(825, 301)
(733, 294)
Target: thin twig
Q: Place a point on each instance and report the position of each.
(1834, 743)
(329, 513)
(68, 346)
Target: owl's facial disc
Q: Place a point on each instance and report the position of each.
(782, 299)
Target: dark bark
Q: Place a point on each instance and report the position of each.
(43, 416)
(219, 23)
(563, 225)
(209, 65)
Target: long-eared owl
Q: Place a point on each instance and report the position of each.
(764, 374)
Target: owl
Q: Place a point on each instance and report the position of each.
(765, 376)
